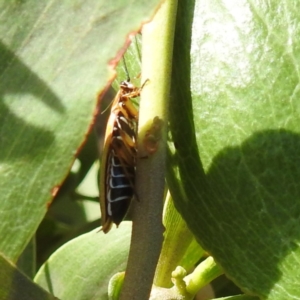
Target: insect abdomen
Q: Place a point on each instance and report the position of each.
(120, 188)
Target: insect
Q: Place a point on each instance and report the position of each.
(117, 171)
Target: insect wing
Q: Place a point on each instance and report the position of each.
(118, 161)
(105, 217)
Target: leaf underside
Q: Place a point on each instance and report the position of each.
(241, 200)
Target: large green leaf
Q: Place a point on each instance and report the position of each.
(81, 269)
(15, 285)
(53, 63)
(240, 61)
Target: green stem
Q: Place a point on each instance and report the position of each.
(202, 275)
(147, 231)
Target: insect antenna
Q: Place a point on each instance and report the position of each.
(107, 107)
(137, 46)
(128, 79)
(126, 70)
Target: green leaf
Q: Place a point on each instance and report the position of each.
(81, 269)
(115, 286)
(27, 260)
(15, 285)
(53, 63)
(179, 246)
(237, 109)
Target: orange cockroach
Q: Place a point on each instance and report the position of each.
(117, 172)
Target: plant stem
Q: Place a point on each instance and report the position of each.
(204, 273)
(147, 231)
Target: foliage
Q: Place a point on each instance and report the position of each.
(232, 163)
